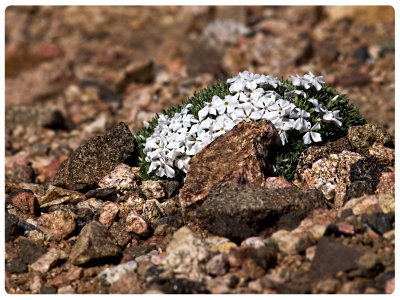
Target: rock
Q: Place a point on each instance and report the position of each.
(153, 189)
(152, 211)
(218, 264)
(121, 178)
(386, 183)
(390, 285)
(247, 146)
(16, 266)
(239, 211)
(186, 255)
(332, 257)
(21, 174)
(326, 286)
(342, 176)
(69, 289)
(171, 221)
(363, 137)
(11, 229)
(254, 241)
(223, 248)
(361, 54)
(136, 224)
(105, 194)
(119, 233)
(56, 195)
(369, 265)
(379, 222)
(171, 188)
(287, 242)
(95, 159)
(58, 224)
(47, 261)
(383, 203)
(48, 290)
(134, 252)
(139, 72)
(28, 253)
(277, 183)
(171, 208)
(177, 286)
(108, 213)
(265, 257)
(26, 203)
(35, 116)
(116, 273)
(92, 244)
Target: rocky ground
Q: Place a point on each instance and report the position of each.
(78, 219)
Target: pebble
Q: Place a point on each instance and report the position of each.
(114, 274)
(47, 261)
(153, 189)
(58, 224)
(121, 178)
(218, 264)
(26, 203)
(108, 213)
(136, 224)
(287, 241)
(254, 241)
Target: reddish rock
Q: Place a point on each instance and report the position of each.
(242, 155)
(108, 213)
(345, 227)
(47, 261)
(386, 183)
(26, 203)
(135, 223)
(277, 183)
(121, 178)
(384, 154)
(57, 224)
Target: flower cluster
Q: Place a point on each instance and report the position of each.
(252, 97)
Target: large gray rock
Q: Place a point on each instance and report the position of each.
(238, 211)
(93, 243)
(95, 159)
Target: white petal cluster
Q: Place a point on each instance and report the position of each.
(175, 140)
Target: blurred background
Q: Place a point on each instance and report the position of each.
(72, 72)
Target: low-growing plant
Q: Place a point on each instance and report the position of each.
(303, 109)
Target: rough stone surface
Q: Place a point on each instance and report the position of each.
(342, 176)
(108, 213)
(384, 154)
(121, 178)
(287, 241)
(119, 233)
(45, 262)
(379, 221)
(254, 241)
(57, 224)
(332, 257)
(242, 155)
(96, 158)
(56, 195)
(277, 183)
(371, 203)
(114, 274)
(12, 231)
(93, 243)
(153, 189)
(26, 203)
(238, 211)
(363, 137)
(218, 264)
(186, 255)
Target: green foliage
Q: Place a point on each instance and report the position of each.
(286, 156)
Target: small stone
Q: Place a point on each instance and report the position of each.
(265, 257)
(121, 178)
(327, 286)
(151, 211)
(69, 289)
(254, 241)
(114, 274)
(218, 264)
(26, 203)
(277, 183)
(135, 223)
(171, 188)
(186, 255)
(47, 261)
(108, 213)
(251, 270)
(223, 248)
(56, 195)
(94, 159)
(369, 265)
(287, 242)
(134, 252)
(310, 252)
(11, 228)
(58, 224)
(379, 222)
(363, 137)
(352, 79)
(93, 243)
(247, 145)
(103, 194)
(345, 227)
(119, 233)
(170, 207)
(163, 230)
(20, 174)
(48, 290)
(153, 189)
(36, 283)
(385, 203)
(238, 255)
(386, 183)
(384, 154)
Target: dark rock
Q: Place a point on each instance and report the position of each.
(170, 188)
(133, 252)
(352, 79)
(361, 54)
(93, 243)
(28, 251)
(239, 211)
(363, 137)
(248, 148)
(85, 216)
(178, 286)
(379, 222)
(265, 257)
(106, 194)
(289, 222)
(36, 116)
(332, 257)
(27, 227)
(139, 72)
(16, 266)
(95, 159)
(119, 233)
(369, 265)
(172, 221)
(48, 290)
(12, 231)
(20, 174)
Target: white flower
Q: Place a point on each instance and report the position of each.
(246, 112)
(221, 125)
(256, 94)
(146, 124)
(284, 107)
(295, 92)
(239, 87)
(332, 117)
(229, 104)
(165, 167)
(210, 108)
(312, 80)
(311, 136)
(267, 107)
(300, 124)
(200, 125)
(296, 80)
(252, 80)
